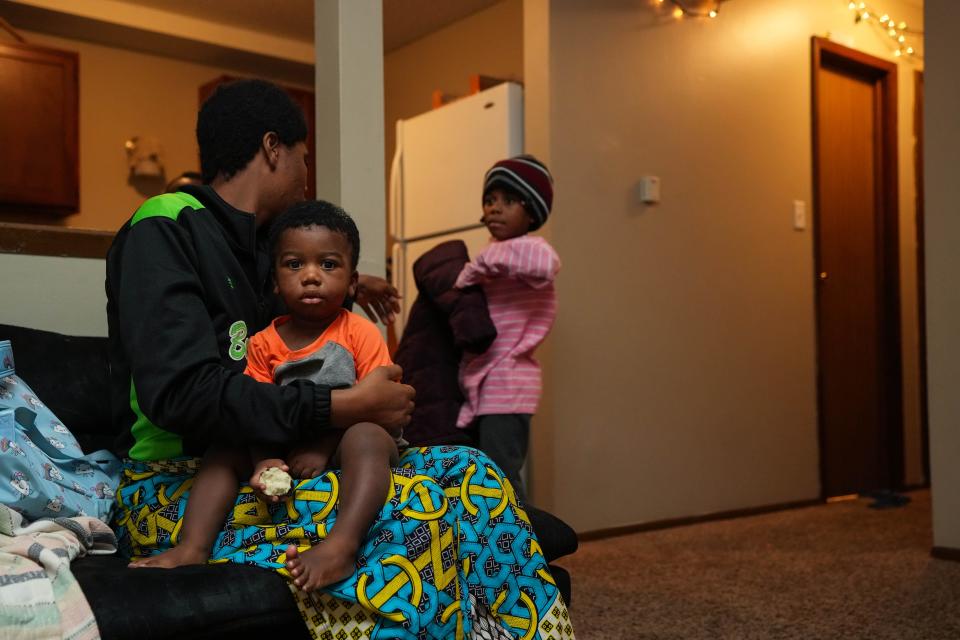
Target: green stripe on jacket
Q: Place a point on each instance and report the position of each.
(150, 441)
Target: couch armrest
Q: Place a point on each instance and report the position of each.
(557, 538)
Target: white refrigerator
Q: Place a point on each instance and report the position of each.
(436, 177)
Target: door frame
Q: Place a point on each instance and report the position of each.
(918, 89)
(887, 269)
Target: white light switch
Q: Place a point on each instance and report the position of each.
(650, 189)
(799, 215)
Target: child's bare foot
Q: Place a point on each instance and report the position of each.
(176, 557)
(322, 565)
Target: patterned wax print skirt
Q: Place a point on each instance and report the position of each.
(450, 555)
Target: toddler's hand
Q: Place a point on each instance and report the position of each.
(257, 483)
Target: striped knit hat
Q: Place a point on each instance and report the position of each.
(530, 178)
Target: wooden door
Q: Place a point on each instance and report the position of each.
(858, 327)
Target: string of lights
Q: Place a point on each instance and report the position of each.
(899, 32)
(683, 8)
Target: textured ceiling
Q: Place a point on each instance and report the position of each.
(403, 20)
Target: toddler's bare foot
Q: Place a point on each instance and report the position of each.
(322, 565)
(176, 557)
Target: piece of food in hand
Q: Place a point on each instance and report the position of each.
(276, 481)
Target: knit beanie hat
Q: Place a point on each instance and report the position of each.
(530, 178)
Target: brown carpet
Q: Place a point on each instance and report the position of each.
(832, 571)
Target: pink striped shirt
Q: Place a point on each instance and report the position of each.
(517, 276)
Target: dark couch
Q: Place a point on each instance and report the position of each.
(70, 375)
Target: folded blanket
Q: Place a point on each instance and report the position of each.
(39, 597)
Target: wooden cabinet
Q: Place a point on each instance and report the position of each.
(39, 133)
(305, 100)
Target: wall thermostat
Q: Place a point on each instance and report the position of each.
(650, 189)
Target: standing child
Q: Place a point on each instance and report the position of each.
(516, 270)
(315, 247)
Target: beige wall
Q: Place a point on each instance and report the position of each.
(941, 159)
(54, 294)
(682, 364)
(489, 42)
(124, 94)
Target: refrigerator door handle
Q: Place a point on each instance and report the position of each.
(396, 184)
(398, 272)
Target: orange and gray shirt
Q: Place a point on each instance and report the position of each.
(349, 349)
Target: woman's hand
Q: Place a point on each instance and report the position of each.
(378, 298)
(379, 398)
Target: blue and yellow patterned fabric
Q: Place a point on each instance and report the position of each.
(449, 553)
